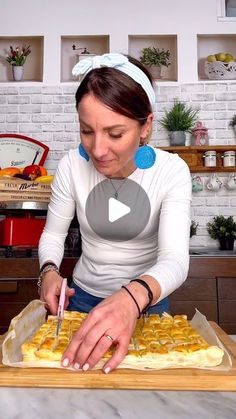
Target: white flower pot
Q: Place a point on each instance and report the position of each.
(17, 71)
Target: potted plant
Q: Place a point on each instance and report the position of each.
(223, 229)
(233, 123)
(17, 57)
(154, 59)
(179, 120)
(193, 228)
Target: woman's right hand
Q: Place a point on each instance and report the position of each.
(50, 291)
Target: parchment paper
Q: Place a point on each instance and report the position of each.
(31, 318)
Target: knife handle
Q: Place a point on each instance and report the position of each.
(62, 298)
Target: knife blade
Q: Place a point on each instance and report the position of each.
(60, 310)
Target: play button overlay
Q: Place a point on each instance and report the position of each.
(117, 210)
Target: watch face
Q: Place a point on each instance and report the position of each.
(20, 151)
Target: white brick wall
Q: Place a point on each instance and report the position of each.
(206, 204)
(47, 113)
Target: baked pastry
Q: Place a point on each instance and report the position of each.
(170, 341)
(45, 345)
(158, 342)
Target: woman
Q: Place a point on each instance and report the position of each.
(130, 270)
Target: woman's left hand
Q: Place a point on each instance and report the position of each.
(110, 322)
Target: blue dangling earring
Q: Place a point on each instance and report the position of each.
(144, 157)
(83, 152)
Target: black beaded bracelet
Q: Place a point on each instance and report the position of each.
(150, 293)
(131, 295)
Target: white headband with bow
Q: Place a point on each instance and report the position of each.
(120, 62)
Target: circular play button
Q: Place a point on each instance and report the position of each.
(117, 209)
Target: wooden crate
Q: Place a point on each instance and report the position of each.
(22, 190)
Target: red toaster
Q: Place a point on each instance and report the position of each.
(21, 231)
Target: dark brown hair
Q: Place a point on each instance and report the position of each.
(118, 91)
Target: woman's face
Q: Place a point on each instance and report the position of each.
(110, 138)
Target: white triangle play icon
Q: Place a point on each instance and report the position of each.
(117, 210)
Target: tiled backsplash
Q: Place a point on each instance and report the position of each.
(47, 113)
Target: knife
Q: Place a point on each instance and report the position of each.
(60, 310)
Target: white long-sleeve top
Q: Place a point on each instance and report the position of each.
(160, 250)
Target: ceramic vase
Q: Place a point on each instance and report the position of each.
(17, 71)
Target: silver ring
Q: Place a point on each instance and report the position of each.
(109, 337)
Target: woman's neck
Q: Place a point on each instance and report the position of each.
(124, 172)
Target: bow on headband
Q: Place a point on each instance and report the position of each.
(120, 62)
(105, 60)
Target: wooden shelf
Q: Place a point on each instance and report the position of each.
(200, 169)
(193, 156)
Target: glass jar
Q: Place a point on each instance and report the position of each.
(229, 158)
(210, 158)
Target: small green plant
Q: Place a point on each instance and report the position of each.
(180, 118)
(152, 56)
(17, 57)
(193, 228)
(222, 227)
(233, 122)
